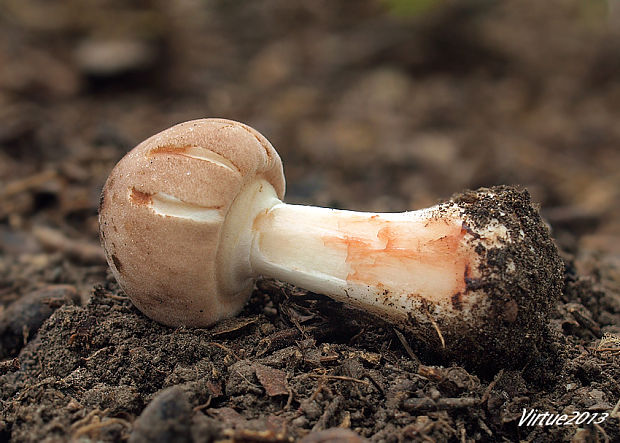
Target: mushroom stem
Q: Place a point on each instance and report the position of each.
(380, 262)
(394, 265)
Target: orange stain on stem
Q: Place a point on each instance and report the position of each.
(404, 244)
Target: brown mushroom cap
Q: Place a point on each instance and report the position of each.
(162, 212)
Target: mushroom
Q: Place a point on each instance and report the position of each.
(193, 215)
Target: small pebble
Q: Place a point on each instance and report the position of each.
(166, 418)
(311, 409)
(73, 405)
(300, 422)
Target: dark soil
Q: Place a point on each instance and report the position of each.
(372, 107)
(522, 276)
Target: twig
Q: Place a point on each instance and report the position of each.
(289, 400)
(116, 297)
(339, 377)
(600, 429)
(90, 357)
(224, 348)
(375, 383)
(330, 411)
(403, 341)
(204, 405)
(88, 417)
(489, 388)
(443, 342)
(434, 323)
(319, 387)
(85, 430)
(484, 427)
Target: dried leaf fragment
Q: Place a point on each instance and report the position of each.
(273, 380)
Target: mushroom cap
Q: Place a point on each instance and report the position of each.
(162, 213)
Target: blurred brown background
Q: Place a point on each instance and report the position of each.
(382, 105)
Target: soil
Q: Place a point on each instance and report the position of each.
(372, 105)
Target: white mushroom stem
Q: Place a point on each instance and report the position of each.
(391, 264)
